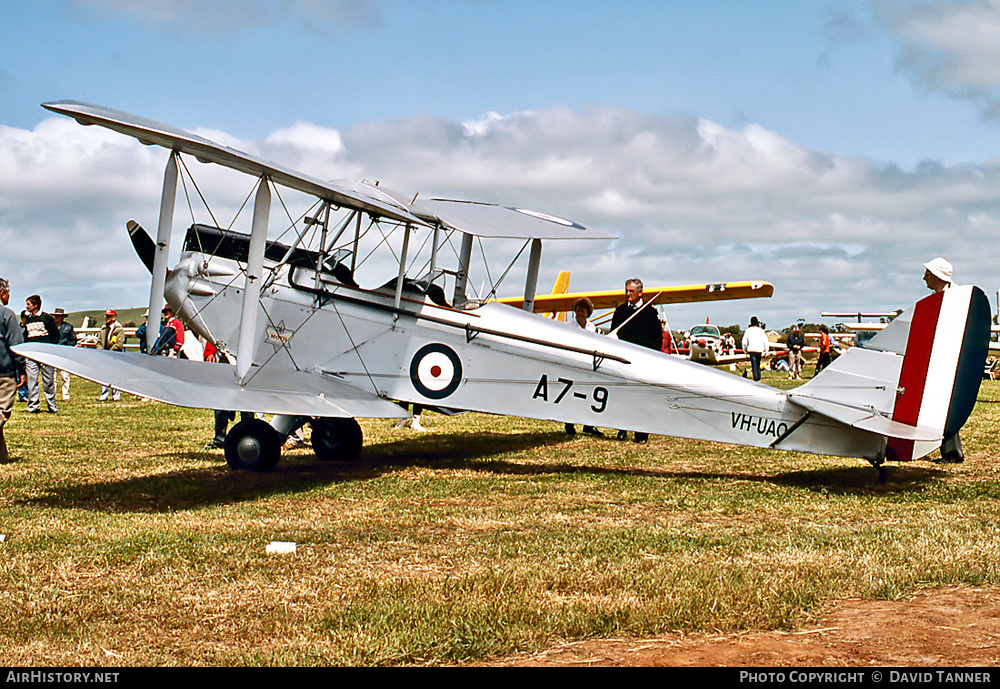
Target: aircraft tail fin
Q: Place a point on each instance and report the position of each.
(562, 283)
(915, 382)
(561, 287)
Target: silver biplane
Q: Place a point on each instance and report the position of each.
(311, 343)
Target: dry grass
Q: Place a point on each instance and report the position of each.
(126, 544)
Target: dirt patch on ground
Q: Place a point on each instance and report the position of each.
(957, 627)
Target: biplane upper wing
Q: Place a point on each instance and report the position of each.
(480, 219)
(502, 222)
(201, 385)
(150, 132)
(680, 294)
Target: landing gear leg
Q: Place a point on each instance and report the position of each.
(879, 465)
(284, 425)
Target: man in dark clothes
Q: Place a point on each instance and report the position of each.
(633, 323)
(40, 327)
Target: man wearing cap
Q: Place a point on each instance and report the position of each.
(937, 277)
(111, 338)
(11, 365)
(67, 337)
(40, 327)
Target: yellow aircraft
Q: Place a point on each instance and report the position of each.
(678, 294)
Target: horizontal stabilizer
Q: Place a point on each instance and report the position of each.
(202, 385)
(866, 419)
(860, 384)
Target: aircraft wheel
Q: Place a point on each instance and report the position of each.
(252, 444)
(336, 439)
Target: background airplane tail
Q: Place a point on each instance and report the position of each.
(561, 287)
(915, 382)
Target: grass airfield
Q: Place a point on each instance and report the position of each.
(124, 543)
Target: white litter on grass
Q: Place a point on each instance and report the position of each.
(3, 537)
(280, 548)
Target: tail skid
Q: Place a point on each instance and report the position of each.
(915, 382)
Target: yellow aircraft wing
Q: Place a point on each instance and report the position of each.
(680, 294)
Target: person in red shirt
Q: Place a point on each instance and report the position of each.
(824, 349)
(172, 338)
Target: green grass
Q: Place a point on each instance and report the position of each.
(127, 544)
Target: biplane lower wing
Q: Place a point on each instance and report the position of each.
(678, 294)
(202, 385)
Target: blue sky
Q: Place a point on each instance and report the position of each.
(828, 147)
(822, 74)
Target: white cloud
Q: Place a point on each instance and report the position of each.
(690, 200)
(953, 47)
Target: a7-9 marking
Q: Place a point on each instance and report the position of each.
(600, 394)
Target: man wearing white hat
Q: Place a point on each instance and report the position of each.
(937, 277)
(937, 274)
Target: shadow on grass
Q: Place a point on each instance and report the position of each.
(218, 484)
(478, 452)
(863, 479)
(856, 480)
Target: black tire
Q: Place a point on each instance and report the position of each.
(253, 445)
(336, 439)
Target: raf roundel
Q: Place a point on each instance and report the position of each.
(435, 371)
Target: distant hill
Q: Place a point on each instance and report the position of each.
(129, 318)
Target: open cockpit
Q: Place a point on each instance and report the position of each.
(315, 272)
